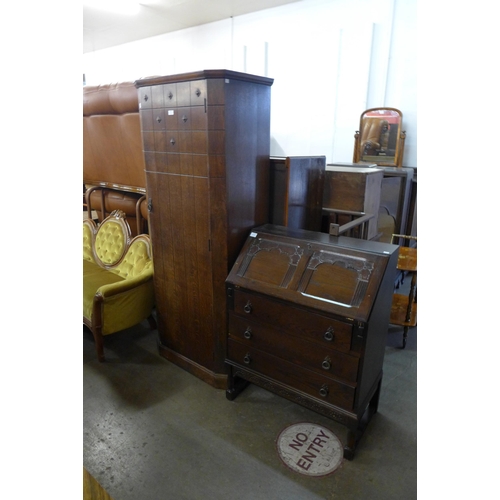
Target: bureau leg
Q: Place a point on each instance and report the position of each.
(234, 386)
(354, 434)
(350, 447)
(373, 405)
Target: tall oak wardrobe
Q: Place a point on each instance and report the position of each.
(206, 138)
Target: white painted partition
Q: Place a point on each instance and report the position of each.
(330, 60)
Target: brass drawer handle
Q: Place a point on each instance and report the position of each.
(248, 307)
(172, 141)
(328, 336)
(327, 363)
(324, 391)
(247, 359)
(248, 333)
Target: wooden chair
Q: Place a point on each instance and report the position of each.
(404, 307)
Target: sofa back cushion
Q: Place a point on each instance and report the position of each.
(88, 235)
(110, 246)
(137, 260)
(110, 241)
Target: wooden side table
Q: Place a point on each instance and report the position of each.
(404, 307)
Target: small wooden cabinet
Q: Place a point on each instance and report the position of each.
(397, 212)
(308, 317)
(354, 190)
(296, 191)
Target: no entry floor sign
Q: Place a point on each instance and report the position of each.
(310, 449)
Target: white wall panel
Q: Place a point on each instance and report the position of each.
(330, 60)
(352, 88)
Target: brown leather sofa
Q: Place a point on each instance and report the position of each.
(113, 160)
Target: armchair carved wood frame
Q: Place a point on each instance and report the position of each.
(118, 288)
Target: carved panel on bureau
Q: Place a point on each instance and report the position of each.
(284, 259)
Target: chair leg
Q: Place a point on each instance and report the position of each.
(405, 336)
(99, 344)
(152, 322)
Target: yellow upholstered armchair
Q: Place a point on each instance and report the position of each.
(117, 278)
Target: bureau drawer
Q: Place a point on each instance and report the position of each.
(305, 324)
(323, 388)
(321, 358)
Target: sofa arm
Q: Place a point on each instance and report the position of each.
(123, 308)
(111, 289)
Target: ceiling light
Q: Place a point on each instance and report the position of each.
(118, 6)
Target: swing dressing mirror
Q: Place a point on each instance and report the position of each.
(380, 139)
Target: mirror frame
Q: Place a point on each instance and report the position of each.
(389, 161)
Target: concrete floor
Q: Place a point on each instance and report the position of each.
(152, 431)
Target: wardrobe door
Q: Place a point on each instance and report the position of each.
(180, 213)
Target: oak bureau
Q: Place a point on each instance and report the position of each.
(308, 316)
